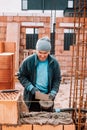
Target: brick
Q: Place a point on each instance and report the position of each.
(69, 127)
(9, 107)
(16, 19)
(10, 47)
(3, 18)
(17, 127)
(48, 19)
(30, 18)
(0, 127)
(7, 85)
(5, 75)
(43, 19)
(47, 127)
(6, 60)
(1, 47)
(10, 18)
(59, 20)
(7, 71)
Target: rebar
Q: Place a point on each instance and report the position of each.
(78, 86)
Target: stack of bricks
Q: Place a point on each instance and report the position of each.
(9, 106)
(7, 47)
(10, 111)
(6, 71)
(7, 65)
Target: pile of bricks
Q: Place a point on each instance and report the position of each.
(6, 70)
(9, 106)
(7, 65)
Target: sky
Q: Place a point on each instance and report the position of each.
(10, 5)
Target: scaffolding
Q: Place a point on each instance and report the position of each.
(78, 85)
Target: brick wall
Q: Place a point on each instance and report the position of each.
(64, 57)
(38, 127)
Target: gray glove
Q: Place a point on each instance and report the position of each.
(51, 97)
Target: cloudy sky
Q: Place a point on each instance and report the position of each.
(10, 5)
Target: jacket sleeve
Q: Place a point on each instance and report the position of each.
(56, 79)
(23, 77)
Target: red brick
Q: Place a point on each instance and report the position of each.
(7, 70)
(1, 47)
(7, 85)
(5, 75)
(47, 127)
(10, 47)
(69, 127)
(17, 127)
(9, 107)
(6, 60)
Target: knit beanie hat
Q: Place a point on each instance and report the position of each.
(43, 44)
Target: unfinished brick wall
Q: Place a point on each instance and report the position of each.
(64, 57)
(2, 29)
(6, 20)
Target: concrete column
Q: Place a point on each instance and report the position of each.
(13, 35)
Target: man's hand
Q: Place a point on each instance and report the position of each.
(41, 96)
(51, 97)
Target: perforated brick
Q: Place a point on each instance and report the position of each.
(9, 107)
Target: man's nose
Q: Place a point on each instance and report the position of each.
(42, 55)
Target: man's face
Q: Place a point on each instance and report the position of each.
(42, 55)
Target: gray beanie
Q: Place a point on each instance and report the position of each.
(43, 44)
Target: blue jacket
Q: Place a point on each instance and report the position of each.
(27, 75)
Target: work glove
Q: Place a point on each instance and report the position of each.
(34, 89)
(51, 97)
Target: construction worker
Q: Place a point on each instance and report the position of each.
(40, 76)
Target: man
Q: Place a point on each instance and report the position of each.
(40, 76)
